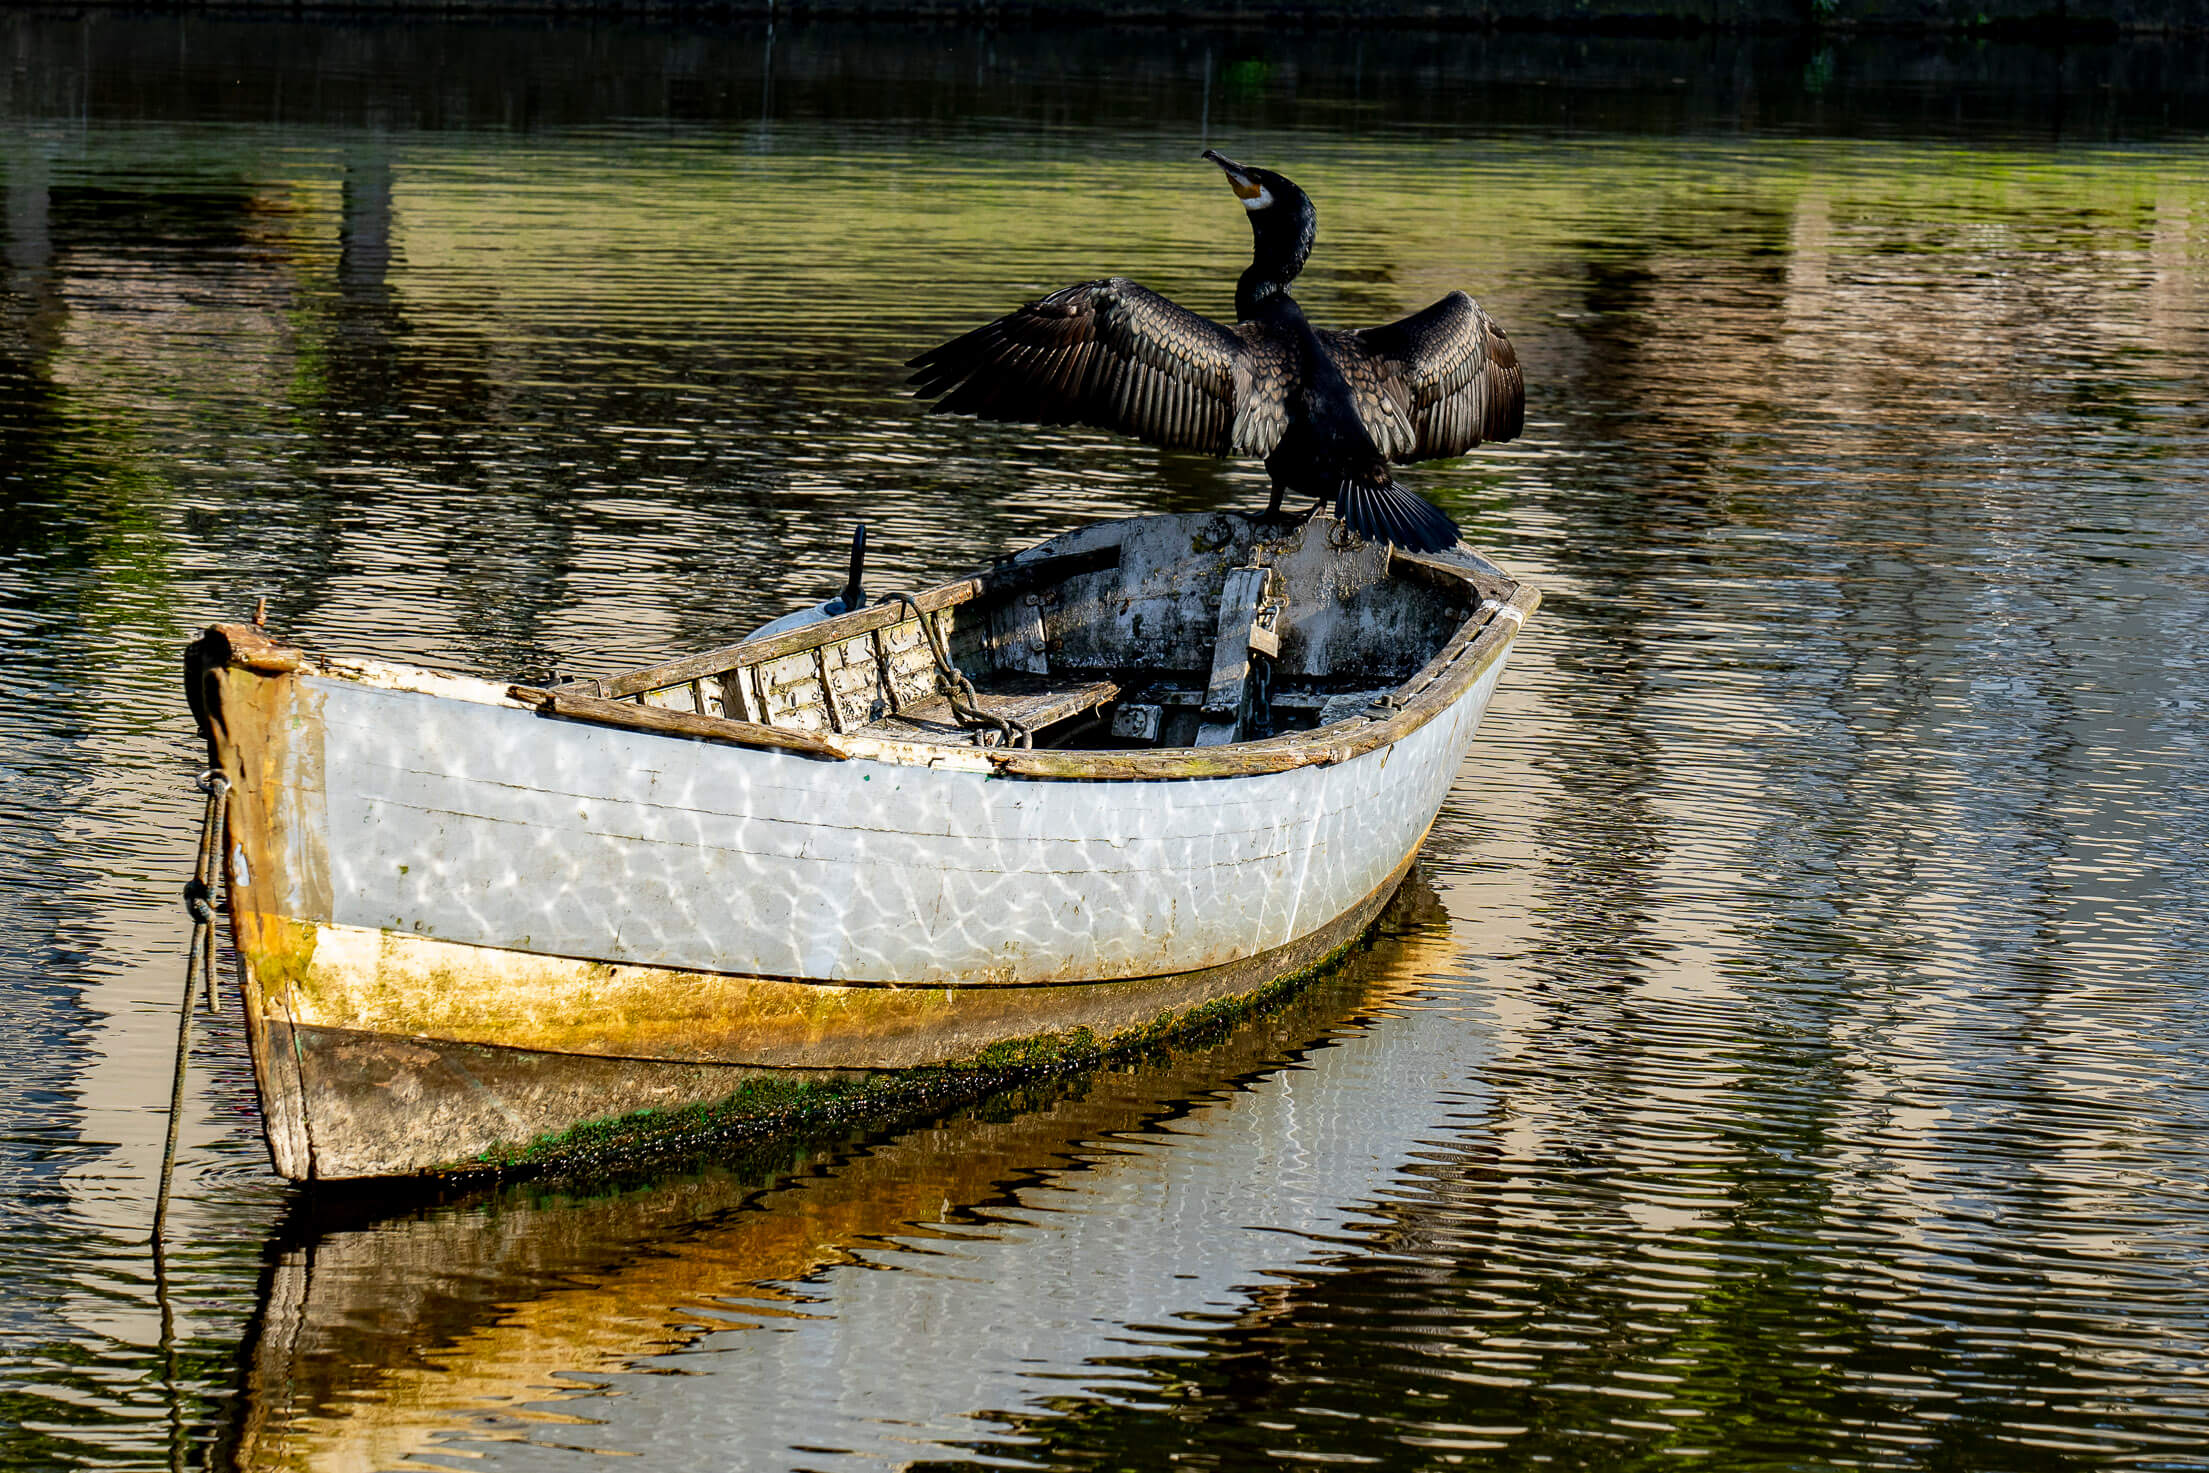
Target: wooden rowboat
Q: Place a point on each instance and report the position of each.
(1137, 773)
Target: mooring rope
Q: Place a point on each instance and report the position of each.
(964, 698)
(199, 961)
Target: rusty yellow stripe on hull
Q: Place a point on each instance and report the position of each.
(381, 1054)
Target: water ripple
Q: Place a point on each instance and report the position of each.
(1808, 1071)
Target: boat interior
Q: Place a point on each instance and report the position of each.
(1157, 632)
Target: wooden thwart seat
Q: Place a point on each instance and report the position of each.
(1033, 702)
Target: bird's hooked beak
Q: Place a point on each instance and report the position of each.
(1255, 196)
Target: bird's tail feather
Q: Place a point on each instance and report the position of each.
(1392, 514)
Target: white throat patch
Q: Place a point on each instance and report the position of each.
(1259, 201)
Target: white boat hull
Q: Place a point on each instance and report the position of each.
(482, 825)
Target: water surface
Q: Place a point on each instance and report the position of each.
(1794, 1054)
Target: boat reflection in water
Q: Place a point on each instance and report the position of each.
(472, 1317)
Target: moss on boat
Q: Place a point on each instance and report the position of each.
(806, 1102)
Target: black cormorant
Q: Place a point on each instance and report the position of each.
(1327, 410)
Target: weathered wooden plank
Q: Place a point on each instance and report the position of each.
(855, 679)
(912, 667)
(1345, 617)
(1227, 692)
(248, 648)
(932, 720)
(1165, 764)
(965, 635)
(738, 703)
(1456, 567)
(791, 691)
(678, 723)
(829, 703)
(886, 672)
(1016, 635)
(786, 673)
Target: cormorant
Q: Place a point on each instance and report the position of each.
(1327, 410)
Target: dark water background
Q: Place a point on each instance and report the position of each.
(1795, 1053)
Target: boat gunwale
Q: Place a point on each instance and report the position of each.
(1477, 642)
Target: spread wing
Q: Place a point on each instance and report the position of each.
(1121, 357)
(1436, 383)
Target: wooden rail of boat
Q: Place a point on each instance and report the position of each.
(819, 691)
(737, 679)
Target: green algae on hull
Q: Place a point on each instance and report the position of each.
(804, 1101)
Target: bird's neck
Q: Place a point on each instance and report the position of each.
(1263, 292)
(1280, 243)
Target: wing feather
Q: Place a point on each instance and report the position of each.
(1111, 354)
(1262, 377)
(1436, 383)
